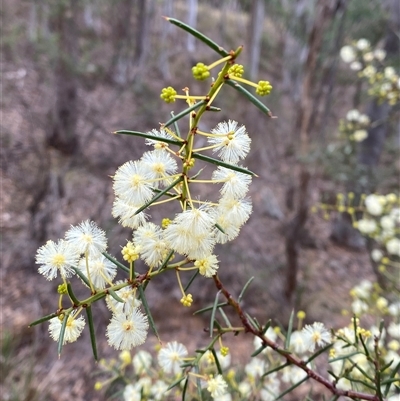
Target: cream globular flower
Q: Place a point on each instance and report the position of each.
(101, 270)
(255, 368)
(190, 233)
(87, 237)
(207, 266)
(395, 215)
(355, 66)
(297, 343)
(132, 392)
(368, 57)
(127, 330)
(380, 54)
(347, 54)
(389, 72)
(369, 71)
(367, 226)
(128, 295)
(270, 334)
(376, 255)
(374, 204)
(235, 185)
(73, 328)
(270, 390)
(293, 374)
(363, 119)
(363, 44)
(142, 362)
(393, 246)
(237, 211)
(315, 335)
(171, 357)
(353, 115)
(359, 135)
(204, 246)
(359, 307)
(153, 248)
(394, 309)
(387, 222)
(57, 257)
(230, 230)
(131, 183)
(159, 390)
(145, 384)
(159, 165)
(233, 143)
(158, 145)
(245, 389)
(394, 331)
(217, 386)
(362, 290)
(126, 213)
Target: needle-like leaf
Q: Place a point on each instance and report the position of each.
(92, 331)
(194, 32)
(260, 105)
(183, 113)
(211, 160)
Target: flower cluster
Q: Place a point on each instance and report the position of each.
(378, 218)
(195, 230)
(200, 72)
(381, 221)
(384, 81)
(356, 348)
(340, 156)
(82, 252)
(215, 375)
(85, 239)
(188, 237)
(351, 359)
(354, 127)
(236, 70)
(264, 88)
(151, 377)
(168, 94)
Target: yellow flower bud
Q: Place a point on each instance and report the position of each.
(98, 386)
(125, 357)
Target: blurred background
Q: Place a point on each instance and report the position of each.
(74, 71)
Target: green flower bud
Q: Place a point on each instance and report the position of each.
(200, 72)
(62, 289)
(236, 70)
(264, 88)
(168, 94)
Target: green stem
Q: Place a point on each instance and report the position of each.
(190, 139)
